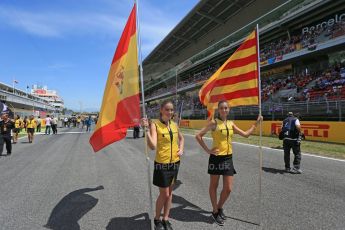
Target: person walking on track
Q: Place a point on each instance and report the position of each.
(31, 126)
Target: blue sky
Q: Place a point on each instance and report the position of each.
(68, 45)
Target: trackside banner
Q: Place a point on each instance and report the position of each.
(313, 130)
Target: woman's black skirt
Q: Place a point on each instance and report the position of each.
(165, 175)
(221, 165)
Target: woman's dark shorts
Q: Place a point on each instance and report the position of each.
(30, 130)
(221, 165)
(165, 175)
(16, 130)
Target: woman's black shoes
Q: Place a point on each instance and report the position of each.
(167, 225)
(158, 225)
(217, 219)
(221, 214)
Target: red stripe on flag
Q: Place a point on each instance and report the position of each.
(127, 33)
(227, 81)
(206, 90)
(127, 115)
(241, 62)
(237, 79)
(234, 95)
(248, 44)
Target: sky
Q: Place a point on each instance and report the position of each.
(69, 45)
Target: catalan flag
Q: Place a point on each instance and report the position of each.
(120, 106)
(236, 81)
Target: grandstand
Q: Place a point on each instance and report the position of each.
(302, 55)
(23, 103)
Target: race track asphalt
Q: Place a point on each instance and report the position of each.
(59, 183)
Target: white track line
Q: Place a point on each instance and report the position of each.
(278, 150)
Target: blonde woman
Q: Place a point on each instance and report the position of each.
(164, 137)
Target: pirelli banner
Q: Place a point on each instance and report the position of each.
(313, 130)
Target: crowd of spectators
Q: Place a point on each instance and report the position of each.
(327, 84)
(308, 40)
(189, 80)
(270, 86)
(309, 87)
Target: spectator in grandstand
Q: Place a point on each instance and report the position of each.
(6, 125)
(39, 123)
(48, 121)
(31, 126)
(164, 136)
(220, 160)
(291, 134)
(18, 124)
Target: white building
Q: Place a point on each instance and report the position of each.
(50, 95)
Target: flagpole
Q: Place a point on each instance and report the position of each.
(260, 139)
(144, 113)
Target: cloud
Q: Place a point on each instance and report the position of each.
(59, 24)
(108, 19)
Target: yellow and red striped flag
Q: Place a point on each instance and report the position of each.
(237, 80)
(120, 106)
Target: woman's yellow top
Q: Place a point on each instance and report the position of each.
(31, 124)
(222, 137)
(167, 142)
(18, 123)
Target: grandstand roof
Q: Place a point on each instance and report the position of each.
(206, 16)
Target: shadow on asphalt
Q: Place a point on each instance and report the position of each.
(244, 221)
(273, 170)
(138, 222)
(188, 212)
(71, 209)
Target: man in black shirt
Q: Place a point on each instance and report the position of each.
(291, 129)
(6, 125)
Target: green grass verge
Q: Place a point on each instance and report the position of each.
(312, 147)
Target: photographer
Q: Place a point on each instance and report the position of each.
(291, 134)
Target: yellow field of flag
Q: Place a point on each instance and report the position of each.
(237, 80)
(120, 106)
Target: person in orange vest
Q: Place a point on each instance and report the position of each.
(220, 161)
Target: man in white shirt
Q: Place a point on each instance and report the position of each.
(48, 121)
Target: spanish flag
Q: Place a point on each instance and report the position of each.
(120, 106)
(236, 81)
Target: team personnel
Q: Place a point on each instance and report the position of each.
(54, 122)
(220, 160)
(39, 124)
(18, 125)
(6, 125)
(31, 126)
(164, 136)
(291, 129)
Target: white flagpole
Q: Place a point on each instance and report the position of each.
(149, 182)
(260, 139)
